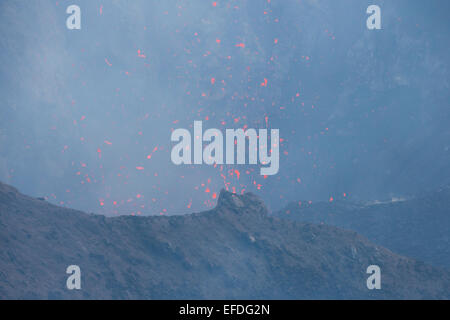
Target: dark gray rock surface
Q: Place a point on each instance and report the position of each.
(235, 250)
(418, 227)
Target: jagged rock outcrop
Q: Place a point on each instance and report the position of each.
(235, 250)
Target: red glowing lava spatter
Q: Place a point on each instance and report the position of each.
(227, 78)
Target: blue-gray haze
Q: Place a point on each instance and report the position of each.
(86, 115)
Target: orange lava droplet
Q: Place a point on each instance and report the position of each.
(241, 45)
(331, 199)
(214, 195)
(264, 84)
(140, 54)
